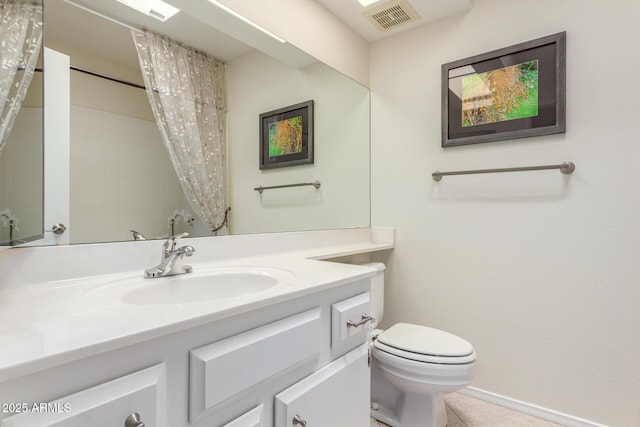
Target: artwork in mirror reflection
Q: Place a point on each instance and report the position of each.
(123, 185)
(21, 149)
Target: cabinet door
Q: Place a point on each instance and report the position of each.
(253, 418)
(337, 395)
(106, 405)
(350, 312)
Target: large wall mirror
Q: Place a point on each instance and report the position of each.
(121, 177)
(21, 150)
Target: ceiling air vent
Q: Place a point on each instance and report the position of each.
(391, 15)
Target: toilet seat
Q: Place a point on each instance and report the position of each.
(424, 344)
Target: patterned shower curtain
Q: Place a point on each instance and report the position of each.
(186, 90)
(20, 42)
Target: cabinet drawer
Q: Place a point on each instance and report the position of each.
(253, 418)
(350, 311)
(106, 405)
(337, 395)
(230, 366)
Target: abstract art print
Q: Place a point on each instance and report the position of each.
(515, 92)
(286, 136)
(507, 93)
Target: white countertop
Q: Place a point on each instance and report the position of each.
(43, 325)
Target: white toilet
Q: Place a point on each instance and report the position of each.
(412, 367)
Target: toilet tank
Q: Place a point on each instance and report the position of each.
(377, 292)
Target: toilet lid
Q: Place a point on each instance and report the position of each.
(423, 340)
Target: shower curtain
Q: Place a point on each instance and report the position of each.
(186, 90)
(20, 41)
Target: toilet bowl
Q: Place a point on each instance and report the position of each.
(412, 366)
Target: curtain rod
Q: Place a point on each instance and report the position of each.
(104, 76)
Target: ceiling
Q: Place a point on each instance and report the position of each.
(351, 13)
(77, 28)
(105, 26)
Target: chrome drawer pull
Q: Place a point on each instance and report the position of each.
(133, 420)
(297, 420)
(365, 318)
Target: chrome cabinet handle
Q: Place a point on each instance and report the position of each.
(365, 318)
(133, 420)
(297, 420)
(57, 228)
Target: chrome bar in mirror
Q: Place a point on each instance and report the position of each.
(315, 184)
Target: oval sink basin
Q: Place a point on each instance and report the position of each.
(205, 285)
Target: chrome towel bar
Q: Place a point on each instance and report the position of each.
(260, 189)
(566, 168)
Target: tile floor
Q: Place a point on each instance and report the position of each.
(464, 411)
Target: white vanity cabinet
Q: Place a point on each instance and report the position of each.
(259, 367)
(231, 366)
(332, 396)
(335, 394)
(140, 395)
(332, 390)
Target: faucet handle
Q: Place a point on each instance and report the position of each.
(177, 237)
(172, 242)
(175, 261)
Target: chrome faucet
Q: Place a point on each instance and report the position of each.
(137, 235)
(171, 261)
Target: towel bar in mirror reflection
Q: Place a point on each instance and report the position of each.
(315, 184)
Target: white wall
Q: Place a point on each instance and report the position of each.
(341, 153)
(538, 270)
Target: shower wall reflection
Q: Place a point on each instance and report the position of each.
(21, 196)
(142, 192)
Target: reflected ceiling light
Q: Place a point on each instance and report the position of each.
(366, 3)
(248, 21)
(154, 8)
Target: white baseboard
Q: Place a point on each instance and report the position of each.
(529, 409)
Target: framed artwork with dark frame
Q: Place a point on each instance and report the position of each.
(509, 93)
(286, 136)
